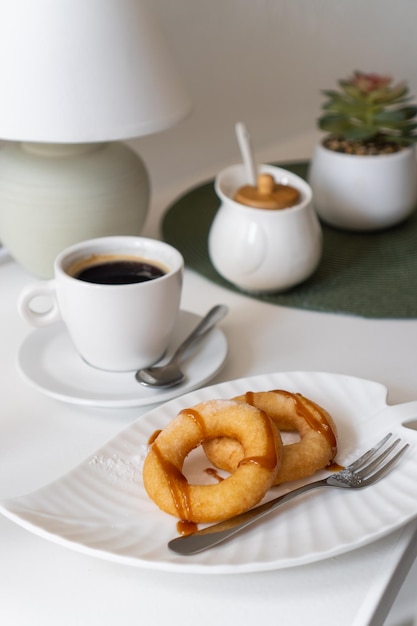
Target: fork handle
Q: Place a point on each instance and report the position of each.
(217, 533)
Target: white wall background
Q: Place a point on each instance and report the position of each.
(264, 62)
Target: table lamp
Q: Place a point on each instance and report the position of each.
(77, 78)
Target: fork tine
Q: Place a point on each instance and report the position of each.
(386, 467)
(376, 461)
(369, 454)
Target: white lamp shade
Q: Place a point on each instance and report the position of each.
(84, 71)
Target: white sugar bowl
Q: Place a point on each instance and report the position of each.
(264, 250)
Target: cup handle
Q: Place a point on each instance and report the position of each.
(39, 290)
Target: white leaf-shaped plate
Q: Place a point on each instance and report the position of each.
(101, 508)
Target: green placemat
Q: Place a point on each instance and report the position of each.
(367, 274)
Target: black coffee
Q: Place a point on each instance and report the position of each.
(119, 272)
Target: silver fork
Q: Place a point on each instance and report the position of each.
(365, 471)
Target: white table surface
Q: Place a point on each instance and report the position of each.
(41, 439)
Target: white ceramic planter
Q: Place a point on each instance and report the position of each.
(262, 250)
(363, 193)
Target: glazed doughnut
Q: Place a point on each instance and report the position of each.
(290, 412)
(255, 473)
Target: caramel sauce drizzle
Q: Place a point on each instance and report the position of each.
(177, 482)
(210, 471)
(185, 528)
(268, 461)
(334, 467)
(153, 437)
(198, 419)
(321, 426)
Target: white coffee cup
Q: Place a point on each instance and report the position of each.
(116, 327)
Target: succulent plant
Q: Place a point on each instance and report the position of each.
(368, 108)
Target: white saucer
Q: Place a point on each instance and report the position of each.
(49, 362)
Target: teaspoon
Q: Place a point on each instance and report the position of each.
(170, 373)
(246, 150)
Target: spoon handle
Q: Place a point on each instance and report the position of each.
(246, 150)
(212, 318)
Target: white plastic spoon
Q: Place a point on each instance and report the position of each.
(245, 145)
